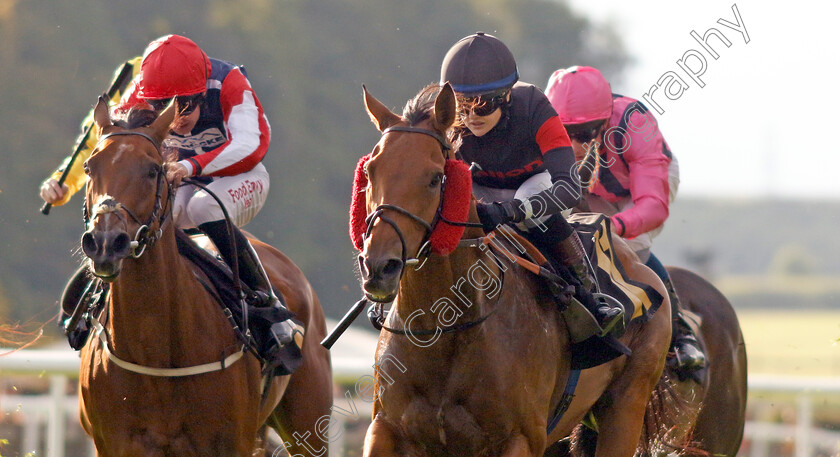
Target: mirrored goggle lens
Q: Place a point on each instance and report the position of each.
(483, 105)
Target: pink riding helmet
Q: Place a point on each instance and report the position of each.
(580, 95)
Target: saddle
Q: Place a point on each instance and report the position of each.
(84, 296)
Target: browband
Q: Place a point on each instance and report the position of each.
(398, 128)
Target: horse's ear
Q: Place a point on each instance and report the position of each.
(160, 127)
(445, 108)
(381, 116)
(102, 114)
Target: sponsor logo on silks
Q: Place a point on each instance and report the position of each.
(205, 141)
(246, 192)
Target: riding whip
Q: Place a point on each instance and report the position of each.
(124, 72)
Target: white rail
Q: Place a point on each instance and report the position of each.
(62, 365)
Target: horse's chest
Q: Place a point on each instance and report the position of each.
(450, 419)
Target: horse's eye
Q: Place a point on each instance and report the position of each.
(153, 172)
(436, 180)
(86, 168)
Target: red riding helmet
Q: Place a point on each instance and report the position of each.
(580, 95)
(173, 65)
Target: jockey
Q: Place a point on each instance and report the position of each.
(524, 157)
(220, 134)
(631, 166)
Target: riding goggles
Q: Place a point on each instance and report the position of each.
(185, 104)
(583, 135)
(482, 105)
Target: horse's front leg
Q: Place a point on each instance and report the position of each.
(621, 422)
(381, 439)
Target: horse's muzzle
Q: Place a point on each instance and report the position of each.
(381, 277)
(106, 250)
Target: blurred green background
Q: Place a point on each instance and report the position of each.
(307, 61)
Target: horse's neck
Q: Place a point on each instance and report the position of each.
(154, 293)
(459, 286)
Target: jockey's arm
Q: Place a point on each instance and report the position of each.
(558, 159)
(649, 187)
(249, 133)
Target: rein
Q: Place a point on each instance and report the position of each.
(376, 313)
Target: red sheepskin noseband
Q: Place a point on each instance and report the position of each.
(456, 207)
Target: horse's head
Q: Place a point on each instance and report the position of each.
(400, 209)
(126, 193)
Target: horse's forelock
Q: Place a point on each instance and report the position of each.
(137, 117)
(420, 107)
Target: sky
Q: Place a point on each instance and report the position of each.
(762, 125)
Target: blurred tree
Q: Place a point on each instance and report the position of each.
(307, 60)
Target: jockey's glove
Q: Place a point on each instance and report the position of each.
(494, 214)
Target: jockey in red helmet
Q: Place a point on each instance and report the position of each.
(221, 135)
(511, 132)
(634, 170)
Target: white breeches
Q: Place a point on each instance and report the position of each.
(243, 196)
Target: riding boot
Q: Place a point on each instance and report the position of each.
(251, 272)
(684, 344)
(566, 254)
(571, 252)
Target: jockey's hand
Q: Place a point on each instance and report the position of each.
(494, 214)
(175, 173)
(53, 193)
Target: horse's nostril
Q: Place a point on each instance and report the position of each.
(89, 246)
(392, 267)
(122, 243)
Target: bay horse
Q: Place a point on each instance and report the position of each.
(719, 402)
(477, 356)
(166, 375)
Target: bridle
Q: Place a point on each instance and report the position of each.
(376, 313)
(144, 237)
(429, 227)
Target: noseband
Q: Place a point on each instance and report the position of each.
(143, 238)
(425, 245)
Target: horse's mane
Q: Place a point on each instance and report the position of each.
(420, 108)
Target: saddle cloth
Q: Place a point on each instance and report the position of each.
(640, 300)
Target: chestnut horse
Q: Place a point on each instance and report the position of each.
(478, 355)
(719, 402)
(153, 384)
